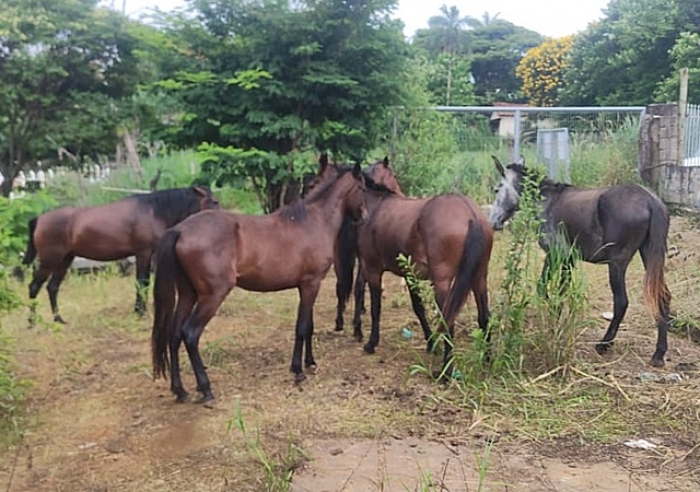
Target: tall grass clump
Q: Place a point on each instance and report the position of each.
(607, 156)
(537, 317)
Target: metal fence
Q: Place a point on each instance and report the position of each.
(691, 153)
(521, 123)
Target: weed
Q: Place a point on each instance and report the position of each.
(277, 468)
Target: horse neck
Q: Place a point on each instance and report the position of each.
(374, 199)
(331, 208)
(551, 191)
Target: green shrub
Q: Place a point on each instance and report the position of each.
(14, 223)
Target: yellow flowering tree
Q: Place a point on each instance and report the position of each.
(542, 69)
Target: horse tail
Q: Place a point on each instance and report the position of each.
(30, 253)
(345, 259)
(656, 293)
(476, 245)
(167, 269)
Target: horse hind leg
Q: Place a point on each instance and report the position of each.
(186, 300)
(191, 332)
(663, 299)
(419, 310)
(616, 274)
(40, 275)
(53, 286)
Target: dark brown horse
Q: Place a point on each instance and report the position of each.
(207, 255)
(608, 225)
(346, 248)
(131, 226)
(449, 241)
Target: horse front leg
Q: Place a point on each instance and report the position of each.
(359, 293)
(375, 295)
(616, 274)
(304, 329)
(143, 275)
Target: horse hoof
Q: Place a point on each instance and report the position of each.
(181, 397)
(59, 320)
(369, 349)
(338, 328)
(603, 347)
(299, 378)
(311, 367)
(207, 401)
(357, 336)
(657, 361)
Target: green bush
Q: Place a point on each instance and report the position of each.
(14, 223)
(11, 389)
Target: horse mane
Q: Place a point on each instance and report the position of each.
(173, 205)
(546, 183)
(371, 184)
(296, 211)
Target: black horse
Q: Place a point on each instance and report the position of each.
(130, 226)
(608, 225)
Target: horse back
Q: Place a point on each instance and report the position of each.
(442, 228)
(605, 223)
(387, 232)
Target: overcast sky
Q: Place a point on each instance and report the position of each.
(549, 17)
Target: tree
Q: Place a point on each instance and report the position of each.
(684, 54)
(448, 31)
(542, 68)
(60, 61)
(272, 79)
(497, 48)
(621, 59)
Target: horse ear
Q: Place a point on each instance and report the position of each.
(201, 190)
(499, 166)
(386, 161)
(357, 170)
(322, 162)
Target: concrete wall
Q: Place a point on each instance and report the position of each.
(659, 160)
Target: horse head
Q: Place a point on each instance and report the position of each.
(355, 204)
(507, 192)
(207, 200)
(382, 174)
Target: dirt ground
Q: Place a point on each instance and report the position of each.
(98, 422)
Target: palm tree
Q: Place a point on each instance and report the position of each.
(452, 27)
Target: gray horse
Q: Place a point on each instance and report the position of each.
(608, 225)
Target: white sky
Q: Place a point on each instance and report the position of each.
(548, 17)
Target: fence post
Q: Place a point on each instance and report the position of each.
(682, 114)
(516, 135)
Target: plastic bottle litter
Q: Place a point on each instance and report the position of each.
(406, 333)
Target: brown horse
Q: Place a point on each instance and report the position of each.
(608, 225)
(130, 226)
(449, 241)
(207, 255)
(346, 248)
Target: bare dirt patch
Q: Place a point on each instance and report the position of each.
(97, 421)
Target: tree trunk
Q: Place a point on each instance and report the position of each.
(449, 81)
(6, 186)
